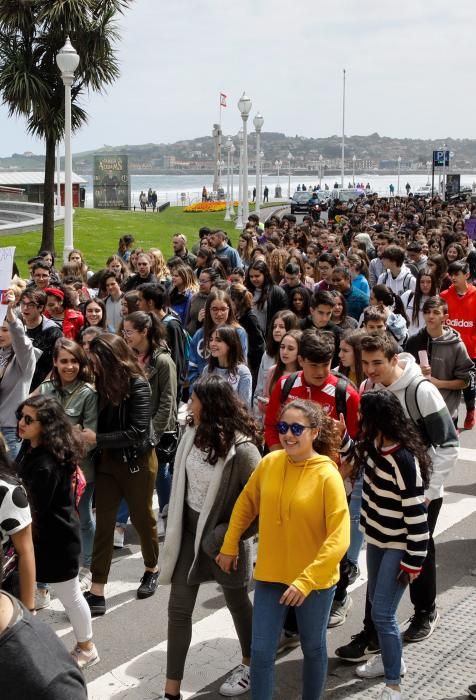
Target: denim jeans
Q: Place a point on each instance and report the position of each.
(385, 593)
(88, 524)
(268, 618)
(163, 484)
(356, 535)
(11, 438)
(122, 513)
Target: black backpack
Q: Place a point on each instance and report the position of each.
(340, 395)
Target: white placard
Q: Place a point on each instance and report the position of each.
(6, 265)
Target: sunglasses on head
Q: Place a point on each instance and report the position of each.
(296, 428)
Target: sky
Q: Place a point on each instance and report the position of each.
(408, 69)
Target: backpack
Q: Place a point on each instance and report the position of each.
(406, 281)
(187, 340)
(340, 395)
(411, 404)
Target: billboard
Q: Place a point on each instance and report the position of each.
(111, 183)
(452, 183)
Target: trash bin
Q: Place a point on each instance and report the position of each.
(278, 192)
(183, 198)
(220, 194)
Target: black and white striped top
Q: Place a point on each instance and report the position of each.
(393, 513)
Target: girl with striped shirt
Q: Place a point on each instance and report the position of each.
(393, 518)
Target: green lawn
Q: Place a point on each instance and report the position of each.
(97, 232)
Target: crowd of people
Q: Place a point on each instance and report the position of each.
(323, 363)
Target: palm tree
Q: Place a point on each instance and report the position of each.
(31, 34)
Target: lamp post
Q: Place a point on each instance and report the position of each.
(228, 146)
(261, 161)
(428, 170)
(67, 61)
(399, 162)
(244, 105)
(220, 166)
(290, 157)
(354, 158)
(258, 122)
(239, 218)
(320, 171)
(232, 168)
(277, 165)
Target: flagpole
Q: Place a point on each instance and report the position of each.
(343, 134)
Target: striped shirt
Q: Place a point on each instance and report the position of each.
(393, 513)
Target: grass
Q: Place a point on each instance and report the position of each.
(97, 232)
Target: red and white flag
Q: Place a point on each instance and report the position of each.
(222, 99)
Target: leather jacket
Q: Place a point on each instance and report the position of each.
(129, 424)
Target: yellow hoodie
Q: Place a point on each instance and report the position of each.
(304, 524)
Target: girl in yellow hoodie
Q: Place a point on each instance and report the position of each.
(304, 531)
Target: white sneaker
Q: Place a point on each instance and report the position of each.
(84, 658)
(85, 578)
(42, 598)
(390, 694)
(339, 612)
(237, 683)
(119, 537)
(373, 668)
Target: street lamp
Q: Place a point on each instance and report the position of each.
(277, 165)
(244, 105)
(261, 161)
(232, 167)
(67, 60)
(228, 146)
(239, 218)
(399, 162)
(320, 171)
(428, 170)
(290, 157)
(220, 165)
(258, 122)
(354, 158)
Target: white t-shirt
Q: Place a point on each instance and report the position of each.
(199, 474)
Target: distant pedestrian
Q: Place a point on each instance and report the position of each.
(408, 188)
(154, 200)
(143, 200)
(392, 190)
(266, 194)
(204, 194)
(254, 193)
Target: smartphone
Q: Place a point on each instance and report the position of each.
(423, 357)
(263, 399)
(403, 577)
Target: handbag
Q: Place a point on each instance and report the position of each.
(167, 445)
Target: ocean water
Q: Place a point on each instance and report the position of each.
(181, 190)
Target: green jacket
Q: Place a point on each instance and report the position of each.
(80, 403)
(162, 376)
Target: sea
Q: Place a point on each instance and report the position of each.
(182, 190)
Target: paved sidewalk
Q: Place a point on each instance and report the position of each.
(440, 668)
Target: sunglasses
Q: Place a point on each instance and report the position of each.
(296, 428)
(28, 419)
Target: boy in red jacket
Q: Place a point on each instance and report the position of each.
(315, 383)
(461, 300)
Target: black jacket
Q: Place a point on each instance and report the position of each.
(134, 281)
(127, 425)
(56, 535)
(277, 300)
(256, 341)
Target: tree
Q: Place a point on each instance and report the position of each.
(31, 34)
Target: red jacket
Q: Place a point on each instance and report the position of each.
(73, 321)
(462, 315)
(323, 395)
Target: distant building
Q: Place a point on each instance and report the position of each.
(34, 188)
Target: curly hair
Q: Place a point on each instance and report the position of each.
(328, 441)
(57, 435)
(382, 416)
(222, 416)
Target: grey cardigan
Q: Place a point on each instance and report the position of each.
(15, 384)
(230, 476)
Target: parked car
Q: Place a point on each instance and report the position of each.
(300, 202)
(425, 191)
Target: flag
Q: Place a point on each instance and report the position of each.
(222, 99)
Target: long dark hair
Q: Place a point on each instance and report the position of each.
(280, 369)
(268, 284)
(418, 294)
(290, 321)
(85, 373)
(103, 322)
(353, 338)
(222, 415)
(149, 321)
(208, 324)
(387, 297)
(229, 335)
(114, 366)
(382, 415)
(306, 297)
(57, 435)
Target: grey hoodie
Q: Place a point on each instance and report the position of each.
(449, 359)
(439, 427)
(15, 385)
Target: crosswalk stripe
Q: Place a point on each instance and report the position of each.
(214, 650)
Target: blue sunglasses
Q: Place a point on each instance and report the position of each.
(296, 428)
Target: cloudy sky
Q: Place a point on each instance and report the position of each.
(409, 70)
